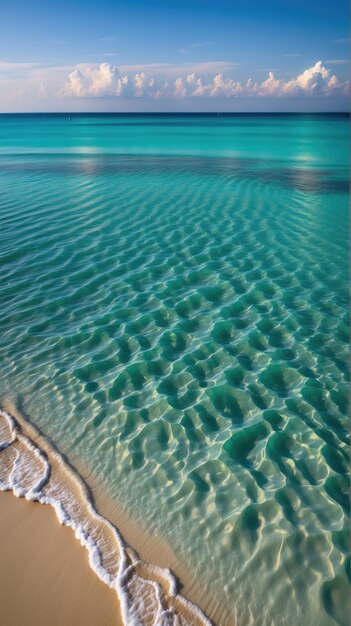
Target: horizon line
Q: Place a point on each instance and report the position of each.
(214, 113)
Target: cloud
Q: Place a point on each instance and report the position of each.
(342, 40)
(316, 79)
(160, 81)
(110, 38)
(107, 81)
(193, 86)
(176, 69)
(12, 66)
(194, 46)
(200, 44)
(33, 86)
(104, 80)
(338, 61)
(105, 55)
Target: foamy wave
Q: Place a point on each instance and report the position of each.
(31, 468)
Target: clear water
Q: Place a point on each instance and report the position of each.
(174, 298)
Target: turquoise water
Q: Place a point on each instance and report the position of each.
(174, 297)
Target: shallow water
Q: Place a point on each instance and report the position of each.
(174, 297)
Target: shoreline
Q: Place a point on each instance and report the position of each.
(32, 468)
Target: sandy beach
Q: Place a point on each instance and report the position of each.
(45, 576)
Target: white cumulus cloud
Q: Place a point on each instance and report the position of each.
(34, 86)
(106, 80)
(316, 78)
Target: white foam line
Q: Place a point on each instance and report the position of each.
(11, 423)
(119, 581)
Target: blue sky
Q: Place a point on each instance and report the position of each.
(160, 55)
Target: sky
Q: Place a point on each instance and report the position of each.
(180, 55)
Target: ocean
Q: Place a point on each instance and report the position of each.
(175, 317)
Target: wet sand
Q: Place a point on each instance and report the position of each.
(45, 577)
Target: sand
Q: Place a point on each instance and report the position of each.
(45, 576)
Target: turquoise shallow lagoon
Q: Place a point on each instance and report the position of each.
(174, 312)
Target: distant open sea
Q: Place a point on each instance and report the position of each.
(174, 313)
